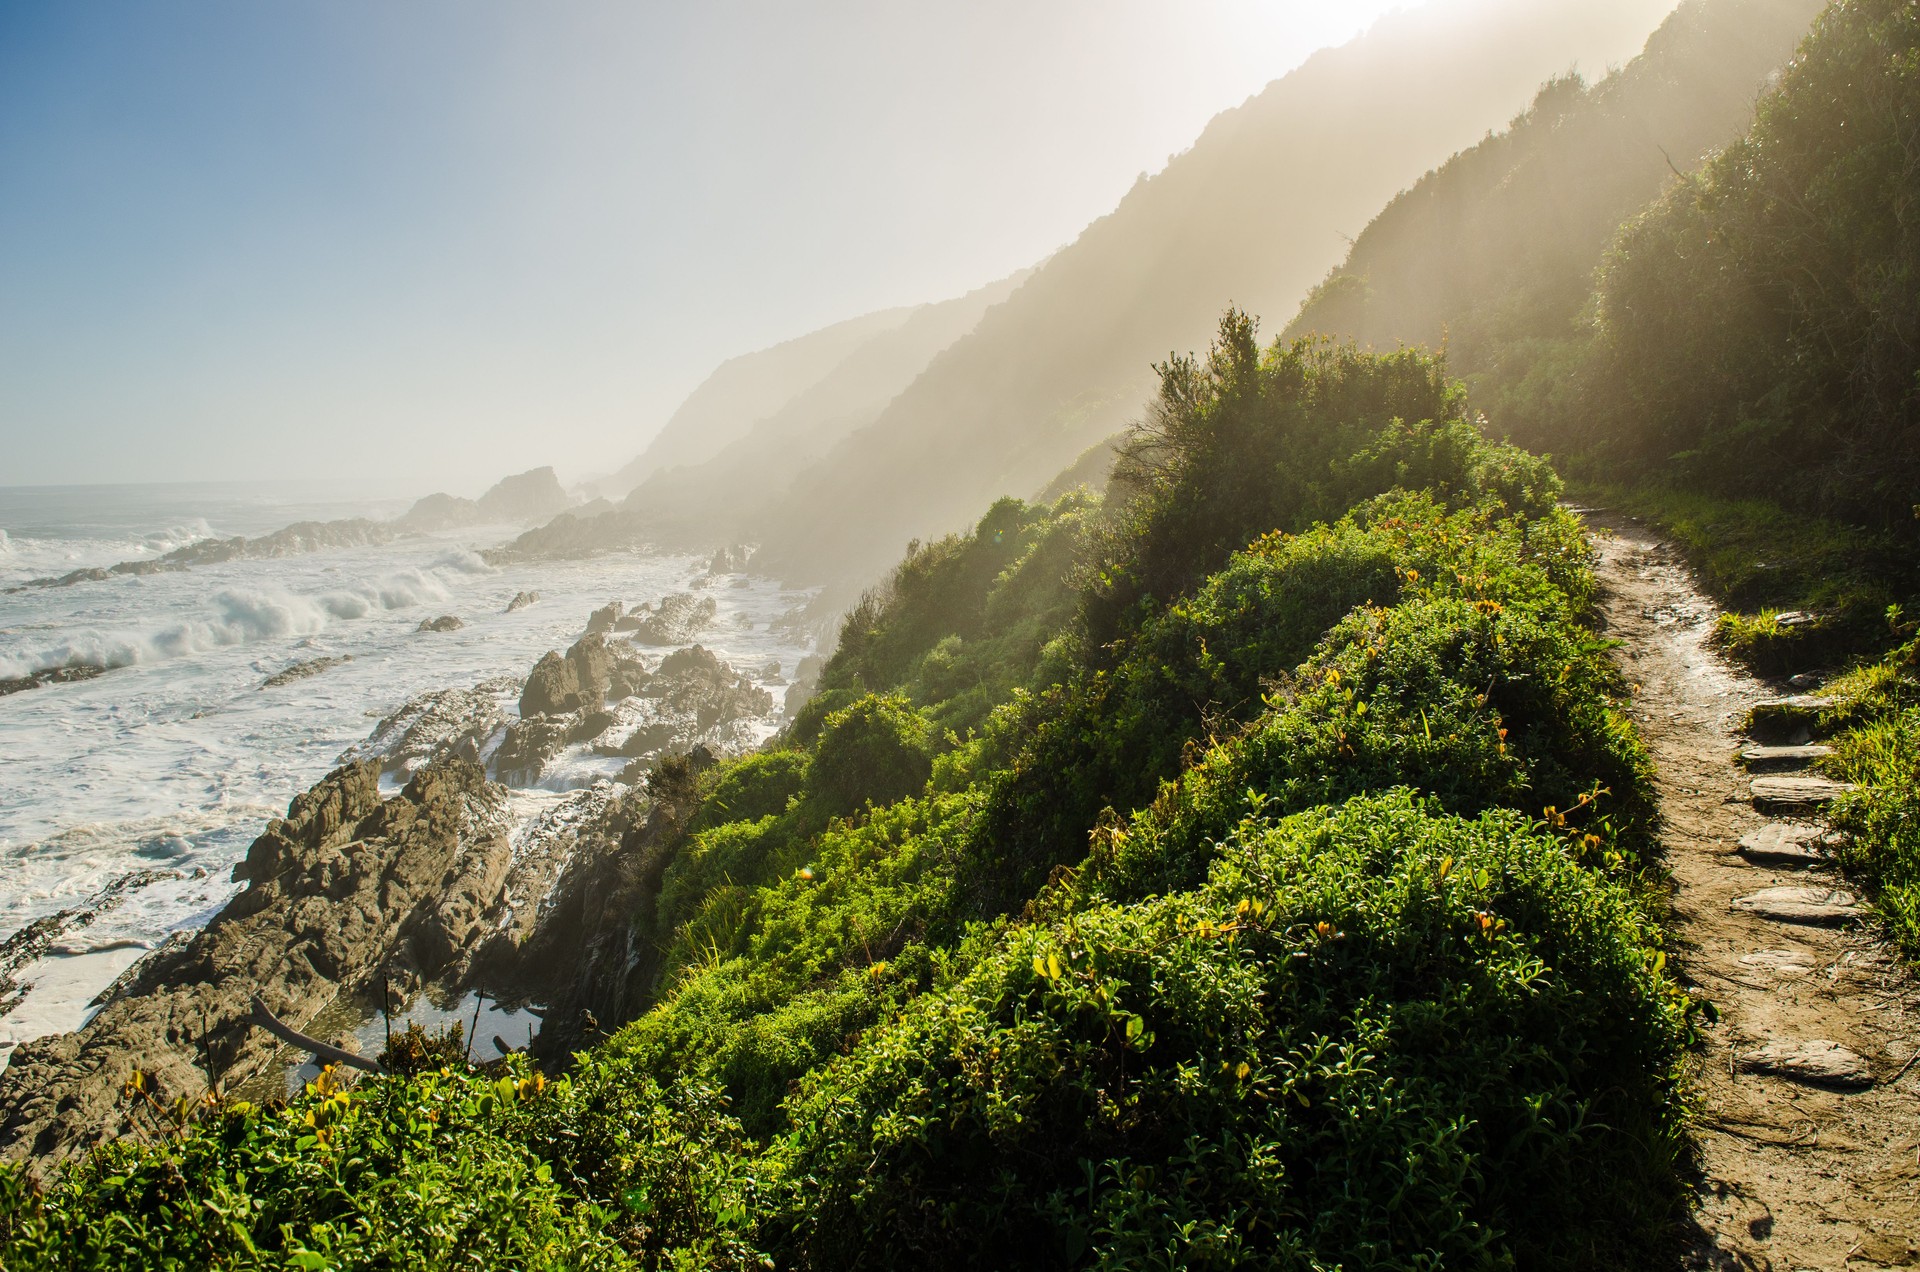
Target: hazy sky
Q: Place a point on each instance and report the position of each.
(448, 239)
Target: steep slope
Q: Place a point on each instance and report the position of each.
(1492, 255)
(745, 390)
(719, 496)
(1254, 213)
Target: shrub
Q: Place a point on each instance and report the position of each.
(876, 751)
(1377, 1037)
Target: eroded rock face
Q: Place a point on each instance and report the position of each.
(456, 722)
(581, 678)
(346, 885)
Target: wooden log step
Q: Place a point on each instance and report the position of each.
(1811, 907)
(1788, 844)
(1795, 794)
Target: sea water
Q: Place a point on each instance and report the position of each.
(148, 783)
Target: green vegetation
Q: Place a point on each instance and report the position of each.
(1243, 872)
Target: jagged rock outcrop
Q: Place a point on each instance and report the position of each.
(582, 678)
(692, 698)
(50, 676)
(530, 496)
(598, 916)
(521, 600)
(302, 670)
(677, 620)
(444, 623)
(457, 722)
(605, 618)
(347, 885)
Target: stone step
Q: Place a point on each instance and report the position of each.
(1780, 962)
(1788, 844)
(1786, 719)
(1783, 757)
(1795, 794)
(1812, 907)
(1816, 1062)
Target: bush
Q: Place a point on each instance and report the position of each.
(878, 750)
(1376, 1038)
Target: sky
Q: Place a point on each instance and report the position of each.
(418, 246)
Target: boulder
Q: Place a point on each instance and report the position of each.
(553, 687)
(444, 623)
(604, 618)
(521, 600)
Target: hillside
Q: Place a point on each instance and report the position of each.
(744, 390)
(719, 495)
(1492, 255)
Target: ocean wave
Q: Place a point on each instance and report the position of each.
(238, 616)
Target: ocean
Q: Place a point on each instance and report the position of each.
(137, 791)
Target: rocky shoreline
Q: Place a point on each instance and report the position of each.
(445, 883)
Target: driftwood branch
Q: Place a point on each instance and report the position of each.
(321, 1051)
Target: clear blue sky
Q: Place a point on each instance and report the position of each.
(435, 241)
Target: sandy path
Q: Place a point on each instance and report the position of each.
(1794, 1175)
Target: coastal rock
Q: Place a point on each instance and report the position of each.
(526, 497)
(439, 512)
(604, 618)
(444, 623)
(581, 678)
(692, 698)
(679, 619)
(731, 560)
(521, 600)
(51, 676)
(456, 722)
(553, 687)
(302, 670)
(346, 885)
(530, 743)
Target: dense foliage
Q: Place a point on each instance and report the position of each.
(1244, 872)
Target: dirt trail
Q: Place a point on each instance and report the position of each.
(1796, 1174)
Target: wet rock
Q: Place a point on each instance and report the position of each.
(1787, 843)
(444, 623)
(679, 619)
(457, 722)
(50, 676)
(530, 744)
(346, 885)
(1810, 906)
(1816, 1062)
(691, 698)
(581, 678)
(521, 600)
(731, 560)
(302, 670)
(553, 687)
(604, 618)
(1795, 794)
